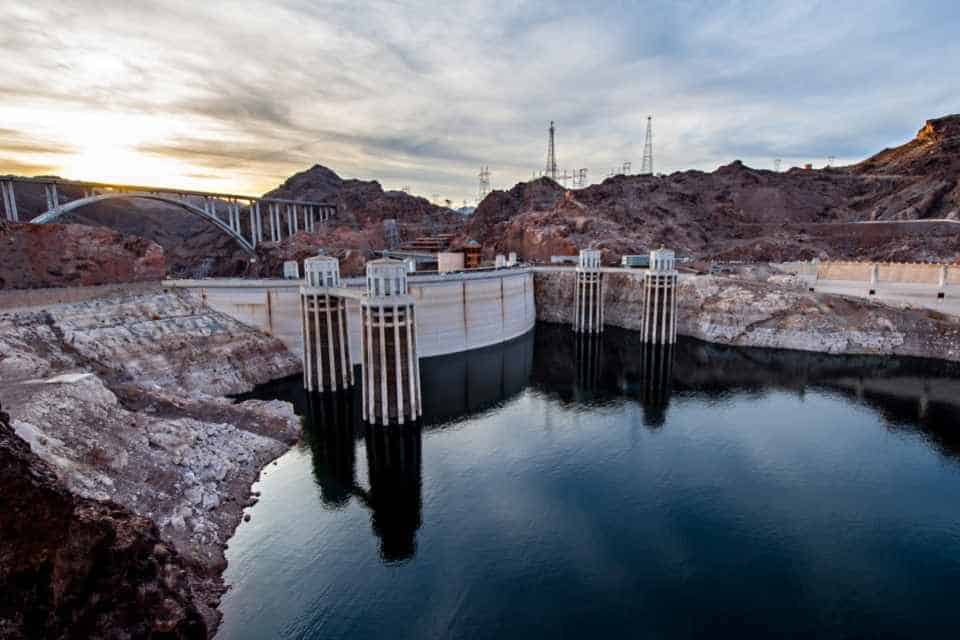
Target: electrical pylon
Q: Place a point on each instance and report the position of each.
(646, 167)
(551, 169)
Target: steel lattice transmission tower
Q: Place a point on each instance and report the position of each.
(484, 184)
(551, 170)
(646, 167)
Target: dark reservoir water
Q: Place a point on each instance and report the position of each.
(565, 488)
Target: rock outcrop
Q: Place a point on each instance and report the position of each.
(121, 398)
(72, 567)
(357, 232)
(55, 255)
(353, 249)
(757, 314)
(740, 213)
(362, 204)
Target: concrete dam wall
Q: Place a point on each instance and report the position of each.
(455, 312)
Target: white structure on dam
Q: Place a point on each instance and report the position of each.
(391, 367)
(588, 295)
(659, 323)
(326, 357)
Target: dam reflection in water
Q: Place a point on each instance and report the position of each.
(567, 485)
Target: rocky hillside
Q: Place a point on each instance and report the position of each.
(121, 399)
(195, 248)
(56, 255)
(362, 204)
(738, 212)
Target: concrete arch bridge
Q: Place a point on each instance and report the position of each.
(239, 216)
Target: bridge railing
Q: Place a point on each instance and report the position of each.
(285, 217)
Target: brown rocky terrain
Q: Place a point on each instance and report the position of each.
(191, 245)
(357, 233)
(121, 398)
(67, 254)
(196, 248)
(72, 567)
(740, 213)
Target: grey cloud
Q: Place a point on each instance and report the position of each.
(423, 93)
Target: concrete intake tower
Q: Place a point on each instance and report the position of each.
(588, 296)
(326, 350)
(659, 322)
(391, 369)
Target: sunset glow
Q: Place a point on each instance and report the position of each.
(197, 96)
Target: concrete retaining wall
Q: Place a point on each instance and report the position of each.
(898, 283)
(890, 272)
(455, 312)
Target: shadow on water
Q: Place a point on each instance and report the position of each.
(589, 371)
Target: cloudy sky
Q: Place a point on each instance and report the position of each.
(237, 95)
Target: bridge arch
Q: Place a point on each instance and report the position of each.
(53, 214)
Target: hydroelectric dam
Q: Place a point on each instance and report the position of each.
(390, 319)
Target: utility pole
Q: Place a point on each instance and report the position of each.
(551, 170)
(646, 167)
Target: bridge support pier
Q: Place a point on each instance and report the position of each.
(9, 201)
(274, 222)
(391, 368)
(326, 348)
(53, 197)
(588, 295)
(659, 322)
(256, 223)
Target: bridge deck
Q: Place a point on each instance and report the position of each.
(130, 188)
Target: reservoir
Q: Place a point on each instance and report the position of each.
(561, 487)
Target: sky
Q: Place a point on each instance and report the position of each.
(236, 96)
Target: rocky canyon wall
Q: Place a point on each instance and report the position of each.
(757, 314)
(120, 400)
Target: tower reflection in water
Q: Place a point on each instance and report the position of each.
(332, 427)
(395, 460)
(455, 388)
(604, 370)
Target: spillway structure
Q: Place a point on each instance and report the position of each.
(588, 294)
(326, 346)
(391, 368)
(659, 321)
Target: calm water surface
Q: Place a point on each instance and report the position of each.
(567, 488)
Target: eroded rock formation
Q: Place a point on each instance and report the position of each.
(121, 398)
(72, 567)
